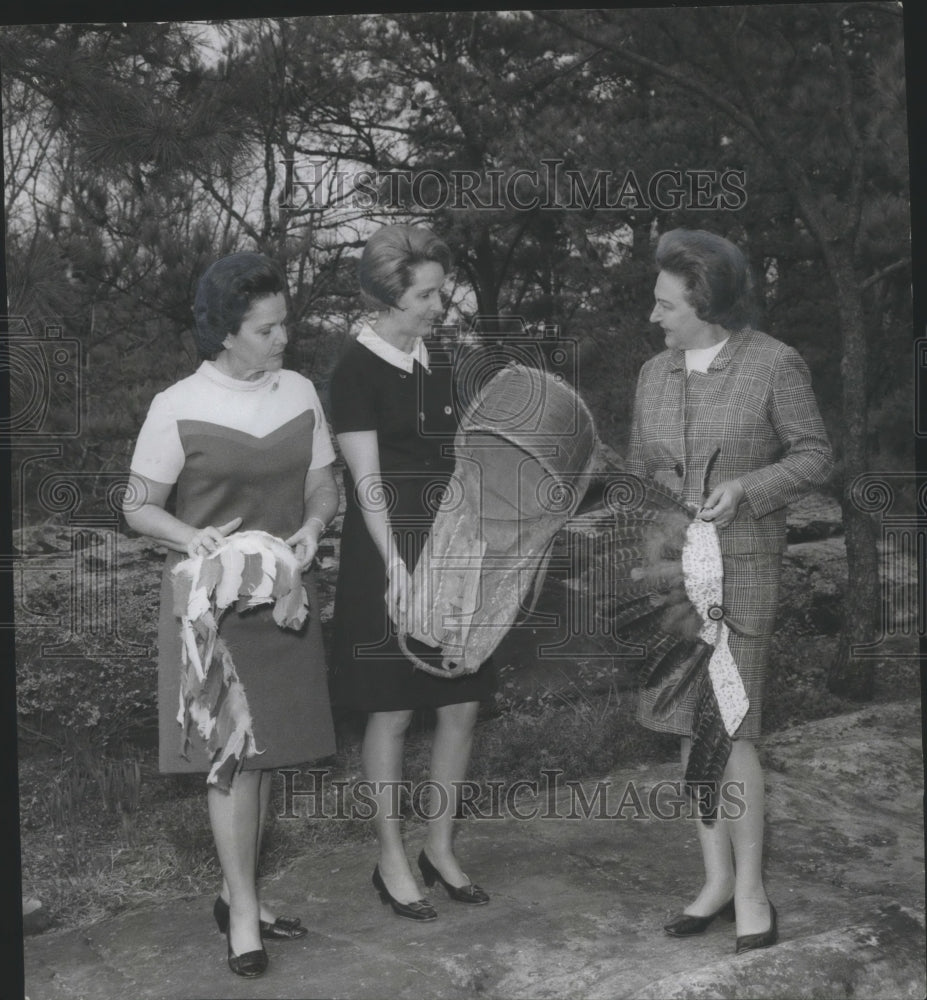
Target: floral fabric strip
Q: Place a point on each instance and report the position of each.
(703, 571)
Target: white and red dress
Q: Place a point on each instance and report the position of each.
(238, 448)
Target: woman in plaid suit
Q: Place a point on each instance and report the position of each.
(726, 417)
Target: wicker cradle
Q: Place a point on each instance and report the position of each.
(524, 453)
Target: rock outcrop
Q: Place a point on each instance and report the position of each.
(580, 887)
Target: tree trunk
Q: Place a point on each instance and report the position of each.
(849, 675)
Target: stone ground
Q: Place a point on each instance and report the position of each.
(578, 903)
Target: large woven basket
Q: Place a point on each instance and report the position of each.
(524, 453)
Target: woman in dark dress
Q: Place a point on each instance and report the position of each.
(394, 418)
(245, 445)
(727, 418)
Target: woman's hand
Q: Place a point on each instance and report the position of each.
(206, 540)
(305, 542)
(320, 504)
(399, 586)
(722, 503)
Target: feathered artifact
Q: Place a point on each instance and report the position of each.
(248, 569)
(652, 576)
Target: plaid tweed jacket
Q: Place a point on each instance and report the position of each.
(755, 405)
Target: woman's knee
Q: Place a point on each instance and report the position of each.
(388, 724)
(460, 716)
(743, 750)
(743, 762)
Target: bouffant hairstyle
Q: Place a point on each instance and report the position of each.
(715, 273)
(389, 259)
(226, 292)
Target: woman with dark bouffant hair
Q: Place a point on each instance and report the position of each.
(726, 417)
(394, 417)
(240, 444)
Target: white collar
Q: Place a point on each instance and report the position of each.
(699, 358)
(215, 374)
(392, 355)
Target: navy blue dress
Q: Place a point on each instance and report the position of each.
(413, 414)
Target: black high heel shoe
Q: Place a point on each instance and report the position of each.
(284, 928)
(469, 893)
(249, 964)
(763, 940)
(685, 924)
(420, 909)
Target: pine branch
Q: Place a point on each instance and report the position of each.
(679, 78)
(884, 272)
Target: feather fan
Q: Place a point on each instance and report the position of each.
(636, 532)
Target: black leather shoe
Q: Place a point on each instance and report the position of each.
(469, 893)
(421, 909)
(249, 964)
(220, 910)
(764, 940)
(285, 928)
(685, 924)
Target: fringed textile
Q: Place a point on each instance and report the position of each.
(249, 569)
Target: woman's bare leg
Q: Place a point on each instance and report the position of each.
(734, 846)
(264, 806)
(746, 834)
(715, 842)
(381, 756)
(235, 816)
(450, 757)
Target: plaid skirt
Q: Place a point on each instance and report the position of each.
(751, 598)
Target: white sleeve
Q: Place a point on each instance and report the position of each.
(323, 453)
(159, 454)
